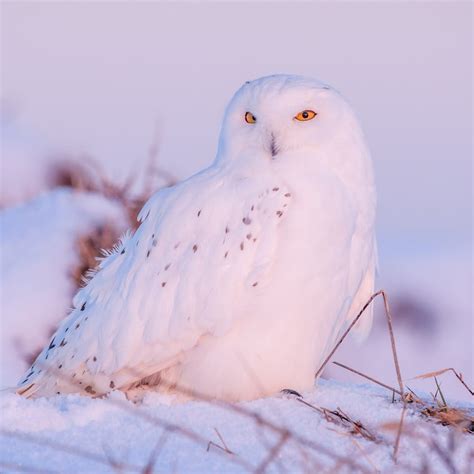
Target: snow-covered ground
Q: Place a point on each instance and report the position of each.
(78, 434)
(39, 251)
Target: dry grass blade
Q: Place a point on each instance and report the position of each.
(340, 418)
(223, 442)
(224, 446)
(438, 390)
(73, 450)
(150, 466)
(394, 390)
(399, 432)
(448, 416)
(273, 453)
(346, 332)
(357, 426)
(444, 456)
(394, 354)
(12, 467)
(390, 328)
(428, 375)
(365, 455)
(443, 371)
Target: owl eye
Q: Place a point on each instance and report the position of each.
(305, 115)
(250, 118)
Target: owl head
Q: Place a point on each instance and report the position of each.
(278, 114)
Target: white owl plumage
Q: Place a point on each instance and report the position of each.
(240, 279)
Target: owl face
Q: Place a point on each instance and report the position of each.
(275, 115)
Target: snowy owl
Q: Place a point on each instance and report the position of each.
(240, 279)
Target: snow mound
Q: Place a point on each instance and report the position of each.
(280, 434)
(38, 253)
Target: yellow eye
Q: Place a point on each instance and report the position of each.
(250, 118)
(306, 115)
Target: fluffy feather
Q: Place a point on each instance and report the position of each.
(238, 280)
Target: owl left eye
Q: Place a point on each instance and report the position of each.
(250, 118)
(306, 115)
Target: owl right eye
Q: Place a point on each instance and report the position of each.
(250, 118)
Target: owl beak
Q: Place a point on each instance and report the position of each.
(273, 145)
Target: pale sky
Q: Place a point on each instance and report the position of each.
(101, 77)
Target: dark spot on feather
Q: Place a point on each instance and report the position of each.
(255, 239)
(247, 220)
(199, 212)
(287, 195)
(66, 330)
(176, 245)
(167, 266)
(90, 390)
(226, 230)
(279, 213)
(152, 236)
(148, 253)
(60, 366)
(241, 245)
(58, 393)
(163, 284)
(225, 255)
(255, 284)
(51, 344)
(195, 247)
(94, 359)
(276, 189)
(77, 325)
(83, 307)
(249, 236)
(74, 374)
(122, 252)
(112, 384)
(252, 208)
(86, 318)
(63, 343)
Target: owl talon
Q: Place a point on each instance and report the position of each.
(291, 393)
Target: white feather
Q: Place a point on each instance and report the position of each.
(240, 279)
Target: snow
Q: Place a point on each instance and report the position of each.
(115, 429)
(38, 254)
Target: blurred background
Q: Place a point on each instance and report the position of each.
(104, 102)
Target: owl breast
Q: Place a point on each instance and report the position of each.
(287, 323)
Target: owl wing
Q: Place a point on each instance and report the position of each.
(362, 271)
(200, 246)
